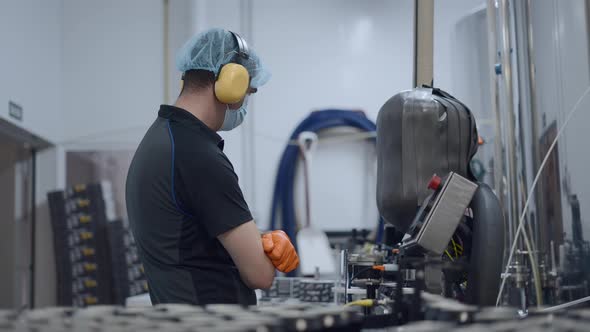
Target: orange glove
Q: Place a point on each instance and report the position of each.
(280, 250)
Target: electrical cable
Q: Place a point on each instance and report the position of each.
(361, 303)
(532, 191)
(361, 272)
(450, 257)
(566, 305)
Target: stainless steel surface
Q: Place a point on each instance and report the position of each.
(305, 146)
(365, 259)
(543, 52)
(423, 42)
(409, 274)
(343, 274)
(528, 112)
(509, 116)
(446, 213)
(567, 305)
(491, 15)
(534, 112)
(515, 49)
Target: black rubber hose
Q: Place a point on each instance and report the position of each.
(487, 248)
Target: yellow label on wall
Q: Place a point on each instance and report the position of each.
(89, 300)
(86, 235)
(89, 267)
(79, 187)
(85, 219)
(90, 283)
(88, 251)
(83, 202)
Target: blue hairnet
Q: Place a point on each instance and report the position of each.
(211, 49)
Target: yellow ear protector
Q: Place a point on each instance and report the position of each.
(233, 79)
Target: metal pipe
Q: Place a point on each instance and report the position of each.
(523, 96)
(344, 273)
(522, 219)
(510, 116)
(566, 305)
(33, 226)
(527, 135)
(533, 110)
(166, 46)
(553, 258)
(513, 119)
(495, 104)
(423, 42)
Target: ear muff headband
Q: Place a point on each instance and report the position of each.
(243, 50)
(233, 79)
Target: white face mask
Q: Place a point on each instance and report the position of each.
(234, 118)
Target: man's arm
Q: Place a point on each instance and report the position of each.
(245, 248)
(210, 187)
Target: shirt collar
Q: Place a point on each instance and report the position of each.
(183, 116)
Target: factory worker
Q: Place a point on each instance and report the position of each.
(195, 234)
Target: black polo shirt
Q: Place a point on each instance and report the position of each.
(182, 192)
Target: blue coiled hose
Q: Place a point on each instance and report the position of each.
(283, 200)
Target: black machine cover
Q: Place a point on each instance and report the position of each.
(420, 132)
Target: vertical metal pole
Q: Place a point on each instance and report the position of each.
(510, 116)
(423, 42)
(166, 46)
(532, 85)
(33, 225)
(499, 157)
(344, 273)
(533, 116)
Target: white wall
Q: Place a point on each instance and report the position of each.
(323, 54)
(461, 65)
(363, 51)
(30, 64)
(31, 75)
(112, 70)
(448, 15)
(90, 75)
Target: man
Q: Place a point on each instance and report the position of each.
(194, 231)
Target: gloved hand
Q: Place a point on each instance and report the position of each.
(280, 250)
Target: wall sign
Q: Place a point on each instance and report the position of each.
(15, 111)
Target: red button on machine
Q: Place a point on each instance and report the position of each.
(435, 182)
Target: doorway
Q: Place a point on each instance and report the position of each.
(15, 223)
(17, 214)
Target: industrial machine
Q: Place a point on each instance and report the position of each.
(454, 226)
(434, 256)
(445, 238)
(443, 231)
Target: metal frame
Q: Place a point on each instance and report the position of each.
(423, 42)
